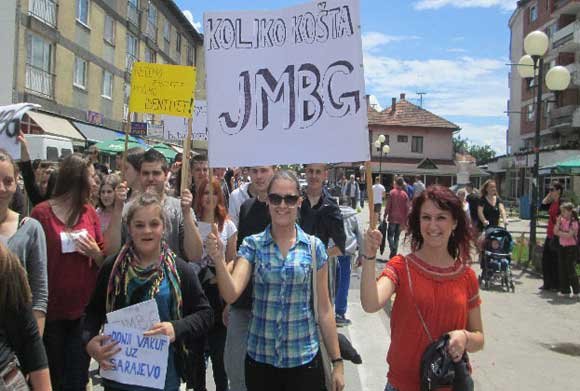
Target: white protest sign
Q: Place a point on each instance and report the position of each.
(286, 86)
(142, 360)
(176, 127)
(10, 117)
(140, 316)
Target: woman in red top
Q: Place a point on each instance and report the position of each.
(444, 287)
(73, 243)
(552, 243)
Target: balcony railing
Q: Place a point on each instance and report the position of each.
(44, 10)
(133, 14)
(151, 31)
(39, 81)
(129, 61)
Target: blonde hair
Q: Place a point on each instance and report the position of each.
(14, 289)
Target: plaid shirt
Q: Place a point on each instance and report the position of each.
(282, 329)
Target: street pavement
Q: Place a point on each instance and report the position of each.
(532, 339)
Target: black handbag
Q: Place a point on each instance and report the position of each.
(437, 367)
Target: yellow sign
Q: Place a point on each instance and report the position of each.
(162, 89)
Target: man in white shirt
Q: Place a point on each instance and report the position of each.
(378, 196)
(418, 186)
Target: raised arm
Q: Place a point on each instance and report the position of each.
(112, 236)
(192, 245)
(373, 294)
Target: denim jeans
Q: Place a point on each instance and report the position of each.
(236, 347)
(15, 381)
(393, 233)
(342, 284)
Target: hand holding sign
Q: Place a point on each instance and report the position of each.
(163, 328)
(101, 348)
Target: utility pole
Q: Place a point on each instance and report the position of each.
(421, 98)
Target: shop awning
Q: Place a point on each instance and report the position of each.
(118, 145)
(57, 126)
(570, 167)
(96, 133)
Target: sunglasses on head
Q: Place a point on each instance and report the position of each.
(289, 199)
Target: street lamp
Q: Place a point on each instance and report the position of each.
(531, 65)
(383, 147)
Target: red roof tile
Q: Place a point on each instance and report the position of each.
(408, 114)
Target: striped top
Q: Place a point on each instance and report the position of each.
(282, 330)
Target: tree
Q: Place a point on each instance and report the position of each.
(481, 153)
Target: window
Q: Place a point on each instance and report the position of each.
(152, 22)
(109, 34)
(80, 75)
(83, 11)
(107, 84)
(178, 43)
(132, 12)
(167, 31)
(417, 144)
(150, 55)
(402, 139)
(44, 10)
(132, 50)
(190, 55)
(531, 112)
(39, 77)
(551, 29)
(534, 13)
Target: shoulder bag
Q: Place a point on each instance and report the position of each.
(326, 364)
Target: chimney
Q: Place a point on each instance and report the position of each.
(394, 106)
(402, 96)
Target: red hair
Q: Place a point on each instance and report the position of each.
(461, 239)
(220, 212)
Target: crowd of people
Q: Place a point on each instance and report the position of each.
(238, 264)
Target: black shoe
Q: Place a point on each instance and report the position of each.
(342, 321)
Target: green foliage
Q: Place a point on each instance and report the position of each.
(481, 153)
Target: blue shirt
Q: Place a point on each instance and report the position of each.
(282, 330)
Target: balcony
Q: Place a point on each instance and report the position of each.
(151, 31)
(574, 70)
(567, 39)
(565, 7)
(39, 81)
(133, 14)
(43, 10)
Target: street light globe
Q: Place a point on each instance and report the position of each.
(558, 78)
(526, 66)
(386, 149)
(378, 144)
(536, 43)
(381, 139)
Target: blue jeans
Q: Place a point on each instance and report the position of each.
(236, 347)
(393, 233)
(342, 284)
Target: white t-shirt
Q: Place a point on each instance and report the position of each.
(204, 230)
(237, 198)
(378, 193)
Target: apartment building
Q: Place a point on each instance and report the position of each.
(74, 58)
(560, 117)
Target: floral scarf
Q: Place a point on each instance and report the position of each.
(126, 269)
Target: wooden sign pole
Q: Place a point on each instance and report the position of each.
(127, 126)
(186, 157)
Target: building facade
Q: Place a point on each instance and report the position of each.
(560, 117)
(74, 57)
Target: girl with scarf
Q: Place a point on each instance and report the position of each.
(146, 268)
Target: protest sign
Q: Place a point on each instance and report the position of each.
(286, 86)
(142, 360)
(10, 117)
(140, 316)
(176, 128)
(162, 89)
(139, 129)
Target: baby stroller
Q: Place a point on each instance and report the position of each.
(496, 259)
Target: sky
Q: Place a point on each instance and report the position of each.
(455, 51)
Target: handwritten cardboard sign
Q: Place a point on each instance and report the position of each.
(10, 117)
(140, 316)
(142, 360)
(176, 128)
(162, 89)
(284, 85)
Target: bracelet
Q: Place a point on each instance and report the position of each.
(368, 258)
(336, 360)
(466, 338)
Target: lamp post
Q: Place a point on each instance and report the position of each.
(383, 147)
(557, 79)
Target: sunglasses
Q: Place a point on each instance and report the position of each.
(289, 199)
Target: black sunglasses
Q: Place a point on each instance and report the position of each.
(289, 199)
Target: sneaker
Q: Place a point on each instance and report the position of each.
(342, 321)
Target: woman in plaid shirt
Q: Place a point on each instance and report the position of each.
(283, 345)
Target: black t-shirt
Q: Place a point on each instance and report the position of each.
(19, 337)
(491, 213)
(473, 201)
(254, 218)
(323, 220)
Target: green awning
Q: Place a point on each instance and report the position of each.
(166, 150)
(118, 145)
(570, 167)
